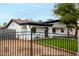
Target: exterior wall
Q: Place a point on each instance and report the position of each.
(21, 33)
(58, 27)
(72, 31)
(15, 26)
(40, 29)
(58, 31)
(40, 32)
(50, 34)
(26, 33)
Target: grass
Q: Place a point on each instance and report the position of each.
(66, 43)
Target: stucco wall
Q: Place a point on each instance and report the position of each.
(40, 29)
(58, 24)
(72, 32)
(58, 31)
(15, 26)
(21, 33)
(40, 32)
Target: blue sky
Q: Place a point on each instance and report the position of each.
(34, 11)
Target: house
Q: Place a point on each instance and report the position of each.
(24, 28)
(27, 28)
(59, 29)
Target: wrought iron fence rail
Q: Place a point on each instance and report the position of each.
(24, 44)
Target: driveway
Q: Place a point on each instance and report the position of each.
(21, 47)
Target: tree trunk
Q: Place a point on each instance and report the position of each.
(76, 31)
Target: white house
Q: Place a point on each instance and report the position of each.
(59, 29)
(24, 28)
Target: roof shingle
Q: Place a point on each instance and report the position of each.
(22, 21)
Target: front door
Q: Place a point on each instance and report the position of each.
(46, 32)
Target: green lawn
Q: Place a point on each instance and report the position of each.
(66, 43)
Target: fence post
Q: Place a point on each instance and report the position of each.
(31, 49)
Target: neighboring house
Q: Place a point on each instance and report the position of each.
(22, 27)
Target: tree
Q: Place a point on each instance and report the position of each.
(4, 24)
(39, 20)
(19, 19)
(49, 20)
(68, 13)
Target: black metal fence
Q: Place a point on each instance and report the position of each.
(37, 44)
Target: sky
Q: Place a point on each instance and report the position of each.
(34, 11)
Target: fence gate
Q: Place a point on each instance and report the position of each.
(36, 44)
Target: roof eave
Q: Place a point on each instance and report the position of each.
(39, 24)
